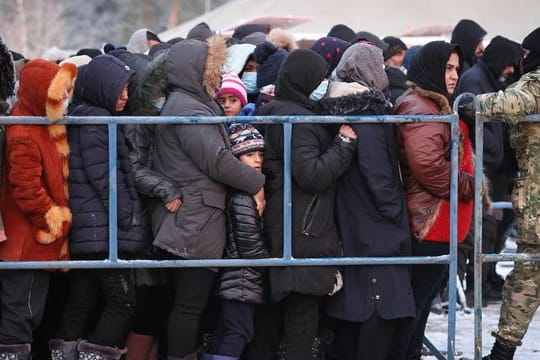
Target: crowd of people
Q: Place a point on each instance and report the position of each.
(195, 191)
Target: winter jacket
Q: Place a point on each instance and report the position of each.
(89, 176)
(371, 213)
(397, 83)
(424, 150)
(197, 158)
(319, 157)
(520, 99)
(34, 201)
(499, 159)
(245, 241)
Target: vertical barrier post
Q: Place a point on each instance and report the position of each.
(287, 190)
(113, 203)
(452, 274)
(478, 180)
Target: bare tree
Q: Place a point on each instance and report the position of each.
(31, 26)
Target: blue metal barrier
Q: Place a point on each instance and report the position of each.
(287, 260)
(480, 258)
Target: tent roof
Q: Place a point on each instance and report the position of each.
(390, 17)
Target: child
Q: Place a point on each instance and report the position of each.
(232, 95)
(240, 288)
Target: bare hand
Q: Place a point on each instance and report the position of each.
(260, 201)
(174, 205)
(347, 130)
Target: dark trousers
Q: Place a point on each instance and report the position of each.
(268, 333)
(235, 329)
(300, 325)
(191, 290)
(22, 303)
(86, 288)
(152, 309)
(426, 282)
(370, 340)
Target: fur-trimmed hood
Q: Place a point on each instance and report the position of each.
(195, 67)
(346, 98)
(43, 88)
(153, 86)
(282, 39)
(435, 104)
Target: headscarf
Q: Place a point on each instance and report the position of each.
(331, 49)
(363, 63)
(428, 66)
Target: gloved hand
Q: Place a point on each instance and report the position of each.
(248, 110)
(467, 109)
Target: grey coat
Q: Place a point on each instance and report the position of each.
(197, 158)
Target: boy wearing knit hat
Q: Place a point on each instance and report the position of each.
(240, 288)
(232, 95)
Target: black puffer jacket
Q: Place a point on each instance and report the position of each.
(245, 241)
(89, 170)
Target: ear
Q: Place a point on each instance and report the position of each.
(62, 84)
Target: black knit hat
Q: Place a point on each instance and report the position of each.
(366, 36)
(89, 52)
(331, 49)
(342, 32)
(395, 45)
(269, 58)
(468, 34)
(532, 41)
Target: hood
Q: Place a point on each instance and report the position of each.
(500, 53)
(201, 32)
(195, 67)
(300, 74)
(138, 63)
(105, 78)
(467, 34)
(282, 39)
(237, 57)
(138, 42)
(345, 98)
(153, 86)
(42, 87)
(364, 64)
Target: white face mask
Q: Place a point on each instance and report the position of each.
(159, 103)
(249, 78)
(320, 91)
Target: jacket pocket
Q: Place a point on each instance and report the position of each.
(214, 204)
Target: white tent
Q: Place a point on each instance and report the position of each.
(512, 19)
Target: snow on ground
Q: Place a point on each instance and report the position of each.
(436, 330)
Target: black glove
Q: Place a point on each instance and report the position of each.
(467, 109)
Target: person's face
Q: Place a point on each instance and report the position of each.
(509, 70)
(122, 99)
(451, 75)
(479, 50)
(231, 104)
(251, 66)
(396, 60)
(253, 159)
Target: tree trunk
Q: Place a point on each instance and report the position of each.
(173, 16)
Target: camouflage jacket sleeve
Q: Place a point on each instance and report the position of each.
(518, 100)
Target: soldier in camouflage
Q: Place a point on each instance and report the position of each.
(521, 294)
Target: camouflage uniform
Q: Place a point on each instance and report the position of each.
(521, 294)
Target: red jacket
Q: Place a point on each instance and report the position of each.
(426, 170)
(35, 189)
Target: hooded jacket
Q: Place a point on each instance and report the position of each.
(468, 34)
(319, 157)
(34, 200)
(370, 201)
(197, 157)
(104, 80)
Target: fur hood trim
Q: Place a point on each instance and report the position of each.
(350, 103)
(217, 54)
(153, 86)
(282, 39)
(439, 99)
(61, 85)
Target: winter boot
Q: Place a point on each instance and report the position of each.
(63, 350)
(322, 344)
(15, 352)
(89, 351)
(501, 351)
